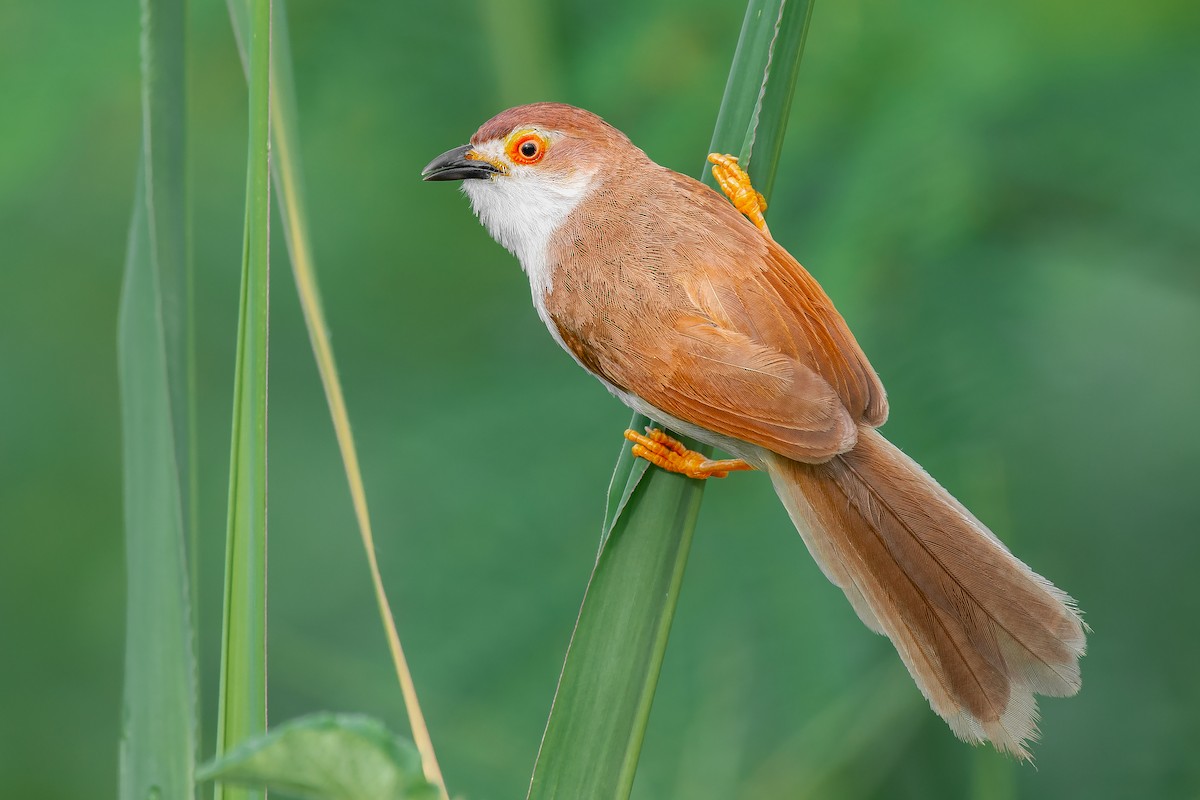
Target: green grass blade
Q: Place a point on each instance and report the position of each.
(285, 167)
(594, 734)
(158, 735)
(598, 720)
(758, 95)
(242, 708)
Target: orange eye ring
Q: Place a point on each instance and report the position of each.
(527, 148)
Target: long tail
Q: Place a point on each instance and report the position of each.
(979, 631)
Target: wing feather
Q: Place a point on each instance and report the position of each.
(709, 320)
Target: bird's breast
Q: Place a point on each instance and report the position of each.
(610, 283)
(587, 315)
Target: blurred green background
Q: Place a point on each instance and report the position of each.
(1003, 199)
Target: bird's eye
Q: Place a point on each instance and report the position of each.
(527, 147)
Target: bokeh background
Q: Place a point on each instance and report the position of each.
(1002, 198)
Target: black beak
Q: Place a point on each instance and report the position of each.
(455, 165)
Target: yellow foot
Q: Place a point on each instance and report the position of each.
(670, 454)
(735, 183)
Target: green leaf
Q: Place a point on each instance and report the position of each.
(242, 707)
(598, 720)
(327, 757)
(626, 476)
(596, 725)
(758, 94)
(158, 736)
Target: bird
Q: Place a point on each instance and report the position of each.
(686, 309)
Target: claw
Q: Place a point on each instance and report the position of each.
(663, 451)
(735, 183)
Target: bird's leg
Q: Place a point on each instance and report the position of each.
(735, 183)
(670, 454)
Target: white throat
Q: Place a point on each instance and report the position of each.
(522, 210)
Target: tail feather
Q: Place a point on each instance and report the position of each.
(980, 632)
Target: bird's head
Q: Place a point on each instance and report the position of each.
(527, 168)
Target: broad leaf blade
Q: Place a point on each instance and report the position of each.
(158, 737)
(598, 720)
(327, 757)
(242, 702)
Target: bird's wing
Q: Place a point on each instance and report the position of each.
(820, 336)
(754, 347)
(718, 378)
(750, 283)
(708, 320)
